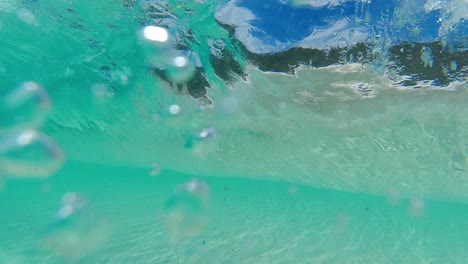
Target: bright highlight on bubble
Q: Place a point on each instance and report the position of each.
(28, 153)
(155, 33)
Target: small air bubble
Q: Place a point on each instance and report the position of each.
(416, 207)
(155, 169)
(124, 79)
(29, 153)
(45, 188)
(72, 203)
(454, 66)
(174, 109)
(327, 50)
(202, 142)
(342, 43)
(282, 106)
(393, 197)
(99, 90)
(181, 69)
(341, 224)
(360, 56)
(76, 230)
(186, 210)
(292, 190)
(207, 133)
(156, 117)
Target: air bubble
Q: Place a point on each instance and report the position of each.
(27, 16)
(327, 50)
(207, 133)
(99, 90)
(282, 106)
(341, 224)
(155, 43)
(186, 210)
(416, 207)
(72, 203)
(174, 109)
(342, 43)
(393, 197)
(426, 57)
(454, 66)
(76, 230)
(202, 142)
(292, 190)
(25, 107)
(29, 153)
(181, 69)
(155, 169)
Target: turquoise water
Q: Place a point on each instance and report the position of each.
(248, 221)
(202, 132)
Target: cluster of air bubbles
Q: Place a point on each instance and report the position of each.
(416, 206)
(178, 66)
(186, 211)
(24, 151)
(76, 230)
(29, 153)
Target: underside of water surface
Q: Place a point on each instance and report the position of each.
(214, 131)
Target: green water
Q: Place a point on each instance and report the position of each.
(248, 222)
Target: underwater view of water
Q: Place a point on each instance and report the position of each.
(233, 131)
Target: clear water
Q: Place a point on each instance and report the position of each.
(223, 134)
